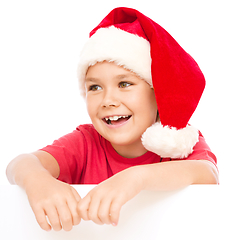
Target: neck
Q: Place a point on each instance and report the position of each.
(130, 151)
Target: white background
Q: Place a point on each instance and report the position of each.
(40, 42)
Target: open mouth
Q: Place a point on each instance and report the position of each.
(115, 120)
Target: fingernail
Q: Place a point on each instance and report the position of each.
(114, 224)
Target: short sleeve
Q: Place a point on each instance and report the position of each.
(70, 153)
(202, 151)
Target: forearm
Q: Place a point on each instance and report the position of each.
(48, 197)
(24, 167)
(177, 174)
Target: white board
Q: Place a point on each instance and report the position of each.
(196, 212)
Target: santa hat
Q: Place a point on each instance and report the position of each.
(132, 40)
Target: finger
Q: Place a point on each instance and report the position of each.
(76, 195)
(72, 204)
(53, 217)
(42, 220)
(93, 211)
(65, 216)
(83, 207)
(115, 211)
(76, 218)
(104, 211)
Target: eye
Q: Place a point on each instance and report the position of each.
(94, 88)
(124, 84)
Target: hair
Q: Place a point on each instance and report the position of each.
(158, 117)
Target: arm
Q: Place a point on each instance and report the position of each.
(178, 174)
(103, 203)
(25, 165)
(36, 173)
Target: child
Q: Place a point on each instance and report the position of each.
(141, 89)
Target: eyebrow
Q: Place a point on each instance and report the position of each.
(118, 77)
(91, 79)
(122, 76)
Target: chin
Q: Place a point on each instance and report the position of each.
(122, 140)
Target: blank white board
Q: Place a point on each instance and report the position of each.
(197, 212)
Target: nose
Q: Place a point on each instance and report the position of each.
(110, 99)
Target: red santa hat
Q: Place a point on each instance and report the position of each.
(132, 40)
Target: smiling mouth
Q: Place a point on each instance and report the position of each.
(116, 120)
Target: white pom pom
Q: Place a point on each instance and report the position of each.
(170, 142)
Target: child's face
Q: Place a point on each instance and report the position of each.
(120, 104)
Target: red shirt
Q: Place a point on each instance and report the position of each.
(85, 157)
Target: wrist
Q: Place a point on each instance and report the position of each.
(140, 176)
(35, 177)
(144, 177)
(26, 169)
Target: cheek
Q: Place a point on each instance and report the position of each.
(152, 112)
(90, 107)
(146, 107)
(93, 104)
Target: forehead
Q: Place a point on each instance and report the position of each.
(107, 69)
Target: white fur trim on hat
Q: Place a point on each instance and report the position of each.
(170, 142)
(115, 45)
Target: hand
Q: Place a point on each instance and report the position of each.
(56, 200)
(102, 204)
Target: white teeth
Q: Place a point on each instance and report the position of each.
(115, 118)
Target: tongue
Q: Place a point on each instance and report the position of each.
(119, 121)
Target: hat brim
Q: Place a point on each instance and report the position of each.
(115, 45)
